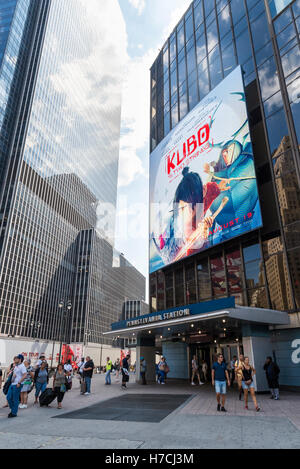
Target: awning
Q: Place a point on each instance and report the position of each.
(243, 314)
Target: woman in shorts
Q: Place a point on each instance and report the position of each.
(248, 384)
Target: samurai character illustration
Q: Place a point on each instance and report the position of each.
(235, 171)
(188, 230)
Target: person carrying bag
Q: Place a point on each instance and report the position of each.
(247, 383)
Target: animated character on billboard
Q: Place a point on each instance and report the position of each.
(235, 169)
(189, 227)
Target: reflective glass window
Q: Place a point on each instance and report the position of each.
(167, 125)
(294, 263)
(180, 39)
(182, 71)
(294, 96)
(201, 48)
(243, 46)
(166, 59)
(215, 68)
(268, 78)
(286, 35)
(224, 21)
(190, 284)
(198, 13)
(189, 27)
(183, 105)
(179, 287)
(212, 36)
(191, 60)
(218, 276)
(174, 114)
(208, 7)
(204, 285)
(260, 31)
(203, 83)
(172, 48)
(173, 81)
(276, 6)
(277, 129)
(229, 60)
(291, 60)
(193, 96)
(296, 8)
(237, 10)
(234, 266)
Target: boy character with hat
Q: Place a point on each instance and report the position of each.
(19, 373)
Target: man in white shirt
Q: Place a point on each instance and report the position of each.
(69, 369)
(19, 374)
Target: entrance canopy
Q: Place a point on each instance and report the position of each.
(209, 320)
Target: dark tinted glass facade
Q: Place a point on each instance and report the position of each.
(59, 156)
(260, 269)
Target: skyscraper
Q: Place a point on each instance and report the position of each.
(60, 106)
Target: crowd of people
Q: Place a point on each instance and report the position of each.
(23, 377)
(242, 372)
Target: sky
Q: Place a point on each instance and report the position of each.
(148, 24)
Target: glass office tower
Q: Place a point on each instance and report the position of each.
(210, 41)
(60, 104)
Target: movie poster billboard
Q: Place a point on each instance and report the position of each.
(203, 188)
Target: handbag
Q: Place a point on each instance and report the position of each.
(7, 384)
(63, 388)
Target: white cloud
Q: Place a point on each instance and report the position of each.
(139, 5)
(136, 100)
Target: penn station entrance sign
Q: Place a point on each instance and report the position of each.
(160, 317)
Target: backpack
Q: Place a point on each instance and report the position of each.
(7, 384)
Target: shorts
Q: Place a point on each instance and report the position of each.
(248, 386)
(220, 387)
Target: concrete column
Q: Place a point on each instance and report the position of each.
(176, 354)
(257, 346)
(146, 348)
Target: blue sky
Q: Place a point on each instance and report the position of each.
(148, 24)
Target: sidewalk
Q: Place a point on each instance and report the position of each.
(195, 424)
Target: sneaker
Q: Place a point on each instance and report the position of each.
(87, 393)
(276, 398)
(24, 406)
(257, 409)
(223, 409)
(20, 406)
(219, 407)
(10, 416)
(193, 384)
(162, 383)
(200, 384)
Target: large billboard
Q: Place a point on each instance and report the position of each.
(203, 188)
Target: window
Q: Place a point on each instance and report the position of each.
(215, 67)
(243, 46)
(191, 60)
(224, 22)
(290, 61)
(268, 78)
(237, 10)
(204, 285)
(183, 106)
(179, 287)
(189, 27)
(190, 284)
(277, 129)
(276, 6)
(212, 36)
(193, 96)
(201, 48)
(198, 13)
(203, 83)
(182, 72)
(229, 60)
(253, 266)
(218, 277)
(260, 31)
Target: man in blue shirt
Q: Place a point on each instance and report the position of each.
(219, 378)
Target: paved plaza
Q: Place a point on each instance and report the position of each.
(183, 417)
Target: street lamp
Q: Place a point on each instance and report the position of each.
(36, 327)
(64, 316)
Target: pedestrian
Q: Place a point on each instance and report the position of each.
(219, 378)
(41, 359)
(143, 370)
(108, 371)
(195, 371)
(88, 374)
(41, 379)
(238, 368)
(248, 384)
(204, 370)
(7, 383)
(125, 371)
(80, 366)
(117, 368)
(60, 384)
(163, 370)
(69, 374)
(19, 374)
(232, 369)
(272, 373)
(27, 384)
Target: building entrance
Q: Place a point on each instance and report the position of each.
(208, 353)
